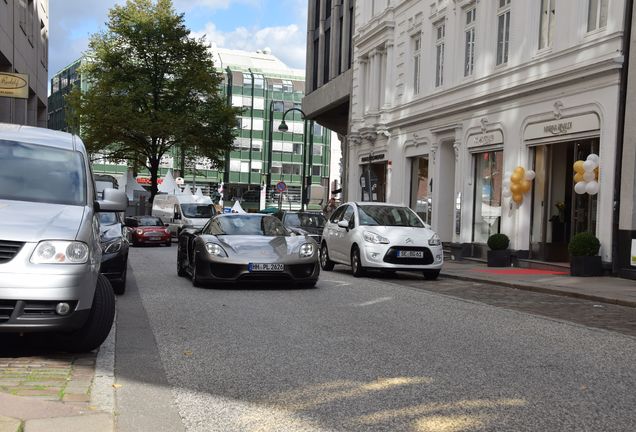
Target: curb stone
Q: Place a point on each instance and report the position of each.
(554, 291)
(8, 424)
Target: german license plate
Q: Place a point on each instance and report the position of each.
(410, 254)
(253, 267)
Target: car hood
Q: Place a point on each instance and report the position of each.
(260, 247)
(402, 235)
(109, 232)
(32, 222)
(196, 222)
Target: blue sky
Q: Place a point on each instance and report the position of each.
(236, 24)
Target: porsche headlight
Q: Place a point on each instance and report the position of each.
(435, 240)
(215, 250)
(374, 238)
(112, 247)
(306, 250)
(60, 252)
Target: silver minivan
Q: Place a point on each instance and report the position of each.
(50, 250)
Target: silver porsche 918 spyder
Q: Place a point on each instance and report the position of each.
(247, 248)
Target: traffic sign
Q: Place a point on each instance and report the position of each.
(281, 186)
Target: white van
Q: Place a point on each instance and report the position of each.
(182, 211)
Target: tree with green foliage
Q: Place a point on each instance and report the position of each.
(152, 87)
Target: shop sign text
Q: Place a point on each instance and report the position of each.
(558, 128)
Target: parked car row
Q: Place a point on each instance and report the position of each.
(291, 247)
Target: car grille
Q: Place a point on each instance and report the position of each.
(265, 276)
(8, 250)
(301, 270)
(6, 309)
(391, 256)
(227, 271)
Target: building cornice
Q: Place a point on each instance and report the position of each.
(430, 107)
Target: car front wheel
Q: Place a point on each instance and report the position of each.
(356, 263)
(195, 277)
(99, 322)
(325, 263)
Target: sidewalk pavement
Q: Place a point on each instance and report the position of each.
(58, 392)
(605, 289)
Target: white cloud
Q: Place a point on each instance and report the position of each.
(288, 43)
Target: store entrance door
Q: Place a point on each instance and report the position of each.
(373, 182)
(557, 211)
(421, 200)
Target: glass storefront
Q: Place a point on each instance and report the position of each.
(421, 198)
(373, 182)
(558, 212)
(487, 204)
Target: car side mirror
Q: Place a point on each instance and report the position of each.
(343, 224)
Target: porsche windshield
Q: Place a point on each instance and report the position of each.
(389, 216)
(203, 211)
(256, 225)
(43, 174)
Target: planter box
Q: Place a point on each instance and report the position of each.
(586, 266)
(499, 258)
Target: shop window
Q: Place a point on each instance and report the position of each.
(487, 207)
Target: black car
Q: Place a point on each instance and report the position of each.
(114, 240)
(309, 223)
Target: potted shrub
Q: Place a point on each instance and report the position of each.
(498, 255)
(584, 258)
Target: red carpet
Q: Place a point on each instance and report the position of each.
(521, 271)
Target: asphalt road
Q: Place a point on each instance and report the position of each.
(371, 354)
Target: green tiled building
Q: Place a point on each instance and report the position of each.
(264, 87)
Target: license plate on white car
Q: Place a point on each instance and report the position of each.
(410, 254)
(253, 267)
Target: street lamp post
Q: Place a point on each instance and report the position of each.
(306, 181)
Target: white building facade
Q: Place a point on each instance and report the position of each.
(450, 95)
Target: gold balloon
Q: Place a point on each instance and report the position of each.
(578, 167)
(521, 170)
(518, 198)
(516, 188)
(596, 171)
(516, 177)
(578, 177)
(525, 186)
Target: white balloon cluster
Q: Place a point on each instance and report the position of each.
(586, 175)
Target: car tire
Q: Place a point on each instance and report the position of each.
(181, 270)
(430, 274)
(356, 264)
(169, 243)
(325, 263)
(196, 282)
(119, 287)
(99, 322)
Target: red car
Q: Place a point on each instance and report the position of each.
(148, 230)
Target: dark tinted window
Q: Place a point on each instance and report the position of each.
(108, 218)
(258, 225)
(41, 174)
(305, 220)
(150, 221)
(389, 216)
(197, 210)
